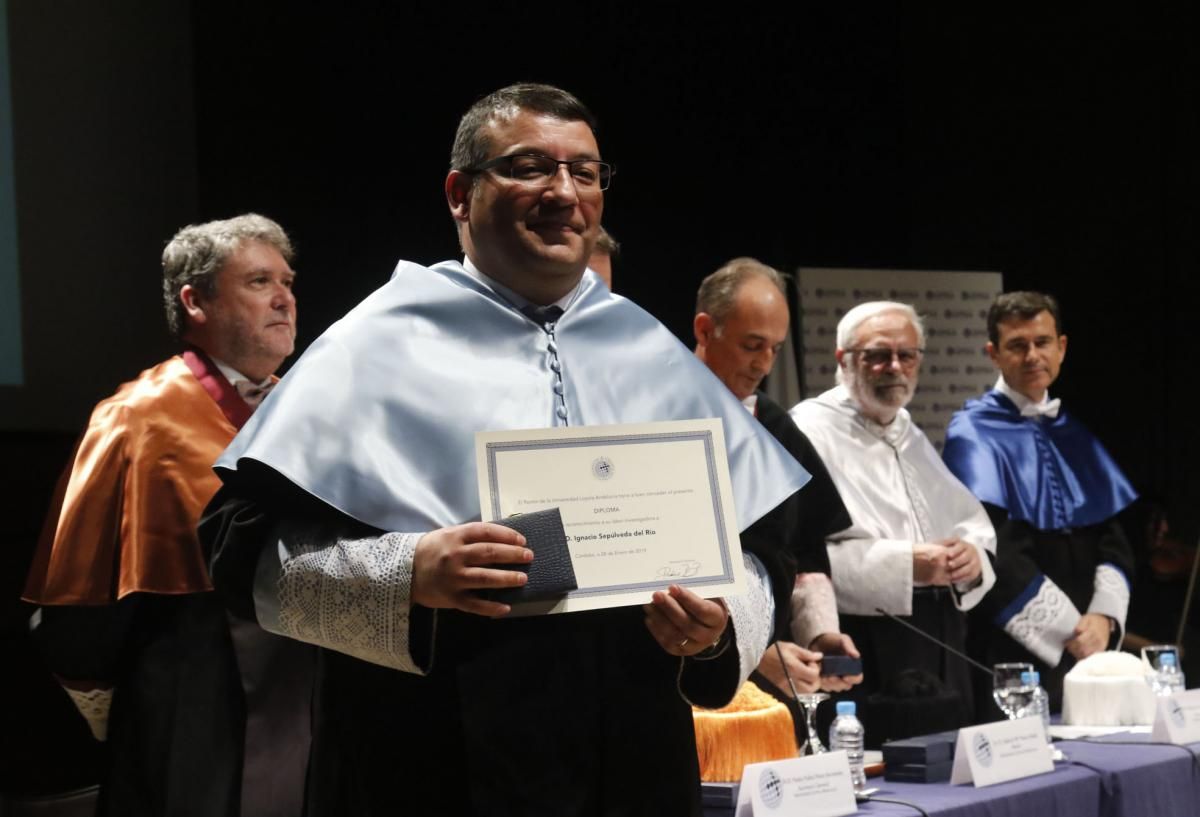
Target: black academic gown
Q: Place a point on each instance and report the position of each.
(199, 707)
(1054, 495)
(817, 511)
(806, 519)
(1067, 557)
(576, 714)
(176, 727)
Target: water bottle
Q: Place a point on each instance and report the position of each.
(846, 734)
(1169, 679)
(1039, 701)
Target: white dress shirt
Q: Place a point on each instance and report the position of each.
(1028, 408)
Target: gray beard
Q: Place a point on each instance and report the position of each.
(868, 396)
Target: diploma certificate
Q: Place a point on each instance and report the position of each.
(644, 505)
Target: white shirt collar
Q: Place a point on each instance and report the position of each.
(751, 404)
(519, 301)
(1025, 406)
(233, 375)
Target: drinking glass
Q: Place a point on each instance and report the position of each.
(1153, 654)
(809, 702)
(1010, 694)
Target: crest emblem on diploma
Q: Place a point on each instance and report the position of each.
(602, 468)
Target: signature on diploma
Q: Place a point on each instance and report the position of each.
(681, 569)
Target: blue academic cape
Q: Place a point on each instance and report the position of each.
(1052, 473)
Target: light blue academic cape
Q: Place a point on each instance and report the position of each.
(378, 417)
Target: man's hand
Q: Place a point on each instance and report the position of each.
(837, 644)
(683, 623)
(451, 562)
(804, 667)
(963, 561)
(946, 562)
(929, 564)
(1091, 636)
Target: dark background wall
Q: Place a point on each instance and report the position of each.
(1055, 146)
(1059, 151)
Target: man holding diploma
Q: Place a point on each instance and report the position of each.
(346, 515)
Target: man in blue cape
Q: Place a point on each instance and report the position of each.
(346, 519)
(1053, 493)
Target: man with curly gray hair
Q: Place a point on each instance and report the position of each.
(193, 262)
(128, 621)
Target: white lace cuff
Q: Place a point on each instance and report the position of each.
(349, 595)
(814, 608)
(752, 617)
(93, 704)
(1043, 623)
(1110, 594)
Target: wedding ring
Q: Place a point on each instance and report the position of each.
(684, 643)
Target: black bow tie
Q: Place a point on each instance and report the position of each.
(543, 314)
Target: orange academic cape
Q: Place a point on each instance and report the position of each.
(131, 498)
(124, 522)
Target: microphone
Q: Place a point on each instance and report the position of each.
(937, 641)
(786, 674)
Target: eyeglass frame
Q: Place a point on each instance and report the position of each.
(491, 164)
(893, 355)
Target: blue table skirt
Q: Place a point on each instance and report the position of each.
(1068, 790)
(1128, 777)
(1148, 779)
(1116, 776)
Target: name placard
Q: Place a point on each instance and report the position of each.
(814, 786)
(1001, 751)
(1177, 718)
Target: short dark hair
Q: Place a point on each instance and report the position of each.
(198, 252)
(1025, 305)
(718, 291)
(471, 143)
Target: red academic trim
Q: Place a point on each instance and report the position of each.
(218, 387)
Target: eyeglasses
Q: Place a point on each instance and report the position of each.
(883, 356)
(590, 175)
